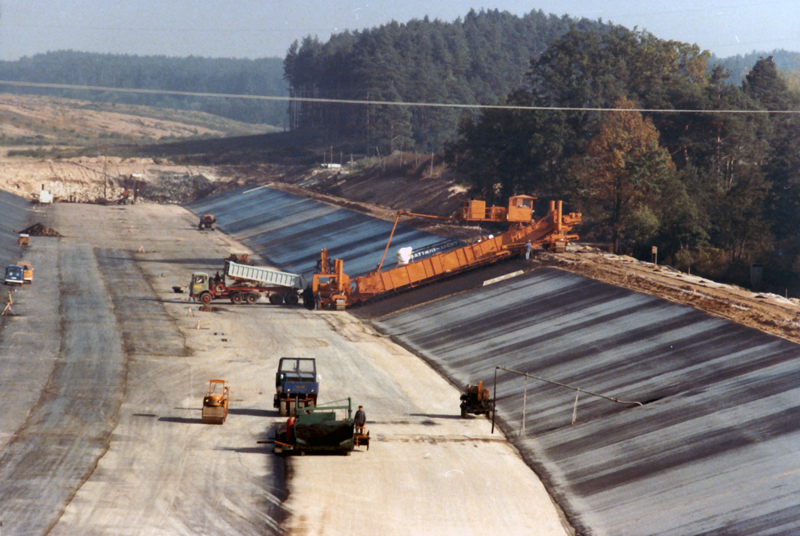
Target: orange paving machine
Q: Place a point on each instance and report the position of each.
(551, 232)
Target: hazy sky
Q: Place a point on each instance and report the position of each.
(260, 28)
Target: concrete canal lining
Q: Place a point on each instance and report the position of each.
(712, 450)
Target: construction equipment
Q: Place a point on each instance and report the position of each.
(520, 210)
(246, 284)
(319, 430)
(476, 401)
(215, 403)
(24, 240)
(27, 271)
(37, 229)
(45, 197)
(552, 232)
(207, 221)
(15, 275)
(242, 258)
(296, 385)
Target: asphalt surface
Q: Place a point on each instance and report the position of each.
(107, 367)
(289, 231)
(68, 427)
(714, 447)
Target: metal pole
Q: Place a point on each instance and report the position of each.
(378, 270)
(575, 407)
(632, 402)
(524, 402)
(494, 397)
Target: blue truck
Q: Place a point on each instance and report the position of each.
(296, 385)
(15, 275)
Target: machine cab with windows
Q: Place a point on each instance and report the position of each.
(27, 271)
(520, 210)
(15, 275)
(296, 384)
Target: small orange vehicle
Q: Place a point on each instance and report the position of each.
(215, 403)
(27, 271)
(24, 240)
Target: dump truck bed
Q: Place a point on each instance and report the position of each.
(264, 276)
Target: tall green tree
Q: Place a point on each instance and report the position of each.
(781, 166)
(475, 60)
(623, 171)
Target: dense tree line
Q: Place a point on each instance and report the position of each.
(678, 166)
(474, 60)
(738, 66)
(192, 74)
(714, 190)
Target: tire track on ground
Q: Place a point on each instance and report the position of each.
(69, 428)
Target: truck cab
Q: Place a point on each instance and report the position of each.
(296, 384)
(198, 286)
(27, 271)
(15, 275)
(520, 209)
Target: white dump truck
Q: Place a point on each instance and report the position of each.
(246, 284)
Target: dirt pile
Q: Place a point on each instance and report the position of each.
(37, 229)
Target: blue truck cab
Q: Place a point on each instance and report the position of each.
(296, 384)
(15, 275)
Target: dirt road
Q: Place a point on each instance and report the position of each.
(111, 426)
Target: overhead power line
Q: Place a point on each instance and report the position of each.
(386, 103)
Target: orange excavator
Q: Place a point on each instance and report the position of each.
(551, 232)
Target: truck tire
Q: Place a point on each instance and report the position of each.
(276, 299)
(236, 298)
(252, 298)
(205, 297)
(292, 299)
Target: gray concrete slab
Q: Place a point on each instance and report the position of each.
(67, 429)
(111, 440)
(713, 450)
(290, 231)
(16, 214)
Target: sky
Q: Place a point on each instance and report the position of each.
(266, 28)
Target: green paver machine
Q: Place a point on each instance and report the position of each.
(320, 429)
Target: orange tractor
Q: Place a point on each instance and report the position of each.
(476, 401)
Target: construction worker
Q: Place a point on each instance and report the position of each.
(317, 301)
(528, 247)
(360, 420)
